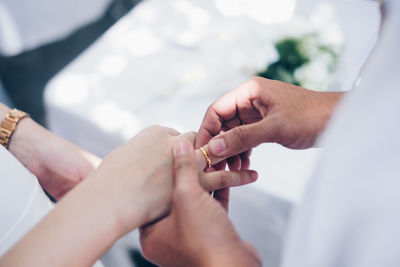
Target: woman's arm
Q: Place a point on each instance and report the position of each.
(76, 233)
(58, 164)
(131, 187)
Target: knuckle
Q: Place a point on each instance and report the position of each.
(212, 109)
(190, 136)
(170, 131)
(183, 162)
(154, 127)
(193, 133)
(242, 137)
(152, 130)
(255, 85)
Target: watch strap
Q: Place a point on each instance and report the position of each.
(9, 124)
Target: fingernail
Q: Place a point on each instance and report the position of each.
(253, 175)
(181, 148)
(217, 146)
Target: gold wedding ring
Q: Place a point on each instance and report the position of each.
(208, 160)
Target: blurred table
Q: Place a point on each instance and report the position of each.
(27, 24)
(167, 61)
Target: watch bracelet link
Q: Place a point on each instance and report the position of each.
(9, 125)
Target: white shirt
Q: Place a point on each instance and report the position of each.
(22, 201)
(350, 214)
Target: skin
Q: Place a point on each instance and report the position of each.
(58, 164)
(132, 187)
(197, 223)
(262, 111)
(258, 111)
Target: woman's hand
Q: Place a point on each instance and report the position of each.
(138, 176)
(260, 111)
(58, 164)
(198, 231)
(131, 187)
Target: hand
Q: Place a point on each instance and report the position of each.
(58, 164)
(136, 178)
(198, 231)
(130, 188)
(260, 111)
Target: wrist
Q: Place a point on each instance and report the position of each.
(123, 215)
(236, 255)
(94, 206)
(323, 108)
(330, 105)
(20, 143)
(24, 145)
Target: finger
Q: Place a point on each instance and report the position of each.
(232, 123)
(185, 169)
(211, 181)
(220, 166)
(236, 107)
(234, 163)
(190, 136)
(224, 109)
(241, 138)
(247, 95)
(252, 251)
(243, 104)
(210, 127)
(93, 160)
(172, 131)
(222, 196)
(202, 164)
(245, 158)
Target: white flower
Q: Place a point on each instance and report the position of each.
(314, 75)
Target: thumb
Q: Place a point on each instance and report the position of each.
(240, 139)
(186, 182)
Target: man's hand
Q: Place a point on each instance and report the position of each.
(198, 231)
(132, 187)
(138, 177)
(260, 111)
(58, 164)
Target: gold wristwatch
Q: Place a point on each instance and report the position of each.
(9, 124)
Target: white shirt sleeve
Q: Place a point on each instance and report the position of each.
(22, 201)
(349, 216)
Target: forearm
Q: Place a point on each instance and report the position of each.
(76, 233)
(234, 255)
(20, 144)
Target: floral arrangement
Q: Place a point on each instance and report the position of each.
(305, 61)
